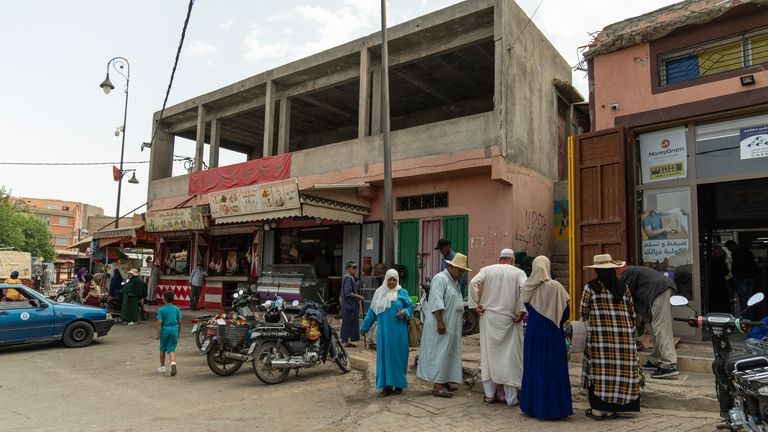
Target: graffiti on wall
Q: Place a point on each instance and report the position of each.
(560, 223)
(532, 236)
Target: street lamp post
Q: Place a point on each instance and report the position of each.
(119, 63)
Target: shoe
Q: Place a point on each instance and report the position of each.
(489, 400)
(665, 373)
(650, 366)
(452, 387)
(442, 392)
(131, 323)
(397, 391)
(161, 370)
(595, 417)
(173, 369)
(386, 391)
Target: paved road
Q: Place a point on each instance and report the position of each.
(112, 386)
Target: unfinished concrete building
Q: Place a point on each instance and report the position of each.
(475, 96)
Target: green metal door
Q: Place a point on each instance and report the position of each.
(456, 229)
(407, 254)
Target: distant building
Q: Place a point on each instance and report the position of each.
(67, 221)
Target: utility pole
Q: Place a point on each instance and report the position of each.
(389, 228)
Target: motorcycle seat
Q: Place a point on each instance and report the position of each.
(745, 361)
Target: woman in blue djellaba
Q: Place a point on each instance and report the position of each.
(391, 308)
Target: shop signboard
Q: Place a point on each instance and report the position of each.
(180, 219)
(753, 142)
(261, 198)
(663, 155)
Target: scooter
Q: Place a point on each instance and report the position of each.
(741, 379)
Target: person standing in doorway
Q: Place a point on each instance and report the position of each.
(196, 279)
(440, 354)
(744, 270)
(350, 310)
(651, 291)
(495, 294)
(447, 254)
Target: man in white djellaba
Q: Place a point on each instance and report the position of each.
(495, 294)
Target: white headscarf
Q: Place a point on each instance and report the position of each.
(543, 293)
(382, 298)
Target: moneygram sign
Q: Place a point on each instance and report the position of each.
(663, 155)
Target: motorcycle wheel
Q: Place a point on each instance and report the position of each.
(200, 337)
(342, 359)
(266, 374)
(470, 323)
(221, 365)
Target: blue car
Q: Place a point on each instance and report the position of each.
(27, 316)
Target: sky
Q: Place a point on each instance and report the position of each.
(56, 54)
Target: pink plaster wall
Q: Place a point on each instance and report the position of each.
(624, 77)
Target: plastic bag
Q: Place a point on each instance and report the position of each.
(415, 327)
(579, 336)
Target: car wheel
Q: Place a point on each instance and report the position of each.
(78, 334)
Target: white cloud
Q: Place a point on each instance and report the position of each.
(203, 50)
(227, 25)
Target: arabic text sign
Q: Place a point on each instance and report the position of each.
(660, 250)
(281, 195)
(181, 219)
(663, 155)
(753, 142)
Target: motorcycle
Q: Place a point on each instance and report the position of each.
(741, 379)
(68, 293)
(227, 345)
(241, 304)
(280, 347)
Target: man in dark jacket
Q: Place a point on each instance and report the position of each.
(651, 291)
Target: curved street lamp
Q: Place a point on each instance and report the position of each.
(118, 64)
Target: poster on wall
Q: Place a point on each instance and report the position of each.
(663, 155)
(665, 234)
(560, 225)
(180, 219)
(753, 142)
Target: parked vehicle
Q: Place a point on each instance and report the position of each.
(741, 379)
(242, 303)
(39, 319)
(68, 293)
(278, 348)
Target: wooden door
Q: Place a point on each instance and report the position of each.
(431, 231)
(408, 254)
(601, 196)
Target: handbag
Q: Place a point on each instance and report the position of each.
(415, 327)
(579, 332)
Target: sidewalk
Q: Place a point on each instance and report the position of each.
(690, 391)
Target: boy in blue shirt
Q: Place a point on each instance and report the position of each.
(168, 330)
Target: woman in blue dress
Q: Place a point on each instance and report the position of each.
(391, 308)
(546, 388)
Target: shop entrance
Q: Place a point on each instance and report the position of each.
(733, 244)
(321, 246)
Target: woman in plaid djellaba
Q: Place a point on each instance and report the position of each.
(611, 370)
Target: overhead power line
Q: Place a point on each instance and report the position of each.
(80, 163)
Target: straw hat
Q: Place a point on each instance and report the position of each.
(133, 271)
(604, 261)
(459, 261)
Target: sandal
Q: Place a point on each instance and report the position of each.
(451, 387)
(611, 416)
(595, 417)
(489, 400)
(442, 392)
(349, 345)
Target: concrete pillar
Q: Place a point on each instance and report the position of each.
(269, 119)
(200, 138)
(284, 132)
(376, 102)
(364, 102)
(160, 156)
(213, 157)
